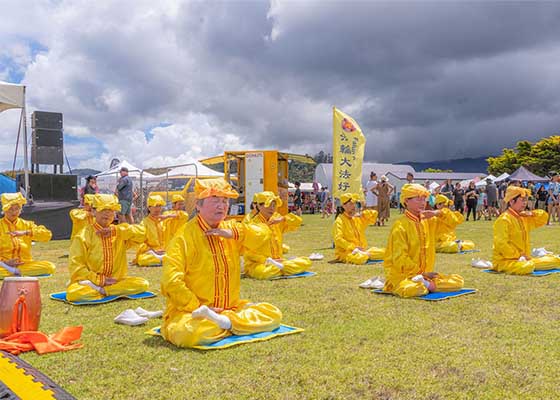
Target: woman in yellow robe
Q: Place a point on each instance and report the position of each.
(81, 217)
(410, 255)
(201, 275)
(151, 252)
(266, 261)
(349, 233)
(447, 241)
(175, 219)
(16, 235)
(512, 245)
(97, 263)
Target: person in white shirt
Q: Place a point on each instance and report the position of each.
(371, 192)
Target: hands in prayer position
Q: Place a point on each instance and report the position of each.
(225, 233)
(19, 233)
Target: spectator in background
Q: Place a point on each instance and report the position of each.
(492, 199)
(298, 199)
(541, 197)
(471, 196)
(124, 192)
(553, 197)
(323, 200)
(501, 194)
(89, 188)
(384, 191)
(459, 198)
(447, 189)
(371, 192)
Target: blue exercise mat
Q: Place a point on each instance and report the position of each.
(304, 274)
(61, 296)
(374, 261)
(234, 340)
(436, 296)
(468, 251)
(539, 272)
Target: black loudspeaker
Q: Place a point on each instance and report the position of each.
(51, 187)
(46, 120)
(47, 140)
(46, 137)
(54, 215)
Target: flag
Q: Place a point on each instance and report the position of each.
(348, 154)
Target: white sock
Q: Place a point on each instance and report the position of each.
(93, 286)
(420, 278)
(205, 312)
(277, 264)
(12, 270)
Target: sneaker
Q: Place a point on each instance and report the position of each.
(372, 283)
(129, 317)
(148, 314)
(478, 263)
(540, 252)
(316, 256)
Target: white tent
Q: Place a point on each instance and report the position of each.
(305, 187)
(323, 172)
(189, 170)
(502, 177)
(11, 96)
(482, 181)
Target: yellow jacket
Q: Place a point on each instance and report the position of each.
(445, 230)
(511, 235)
(204, 270)
(155, 236)
(80, 218)
(20, 247)
(272, 247)
(94, 258)
(349, 233)
(411, 248)
(171, 226)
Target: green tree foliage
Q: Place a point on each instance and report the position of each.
(437, 170)
(540, 158)
(300, 172)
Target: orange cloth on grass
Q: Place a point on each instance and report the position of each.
(20, 342)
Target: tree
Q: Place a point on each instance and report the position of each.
(437, 170)
(540, 158)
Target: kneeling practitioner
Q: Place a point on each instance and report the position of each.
(266, 261)
(410, 256)
(16, 235)
(512, 247)
(97, 264)
(201, 275)
(447, 241)
(349, 233)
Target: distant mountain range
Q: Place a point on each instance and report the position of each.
(84, 172)
(478, 164)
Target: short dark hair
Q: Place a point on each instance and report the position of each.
(124, 169)
(90, 177)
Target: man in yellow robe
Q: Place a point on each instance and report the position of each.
(16, 235)
(151, 252)
(253, 212)
(82, 216)
(411, 249)
(447, 241)
(349, 233)
(97, 264)
(201, 275)
(266, 261)
(512, 247)
(174, 219)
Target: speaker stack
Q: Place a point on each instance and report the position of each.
(47, 140)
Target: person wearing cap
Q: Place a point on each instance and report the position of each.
(125, 192)
(174, 219)
(447, 241)
(16, 235)
(150, 253)
(82, 216)
(266, 261)
(201, 274)
(97, 261)
(411, 249)
(512, 247)
(553, 197)
(349, 233)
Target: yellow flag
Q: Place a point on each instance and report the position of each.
(348, 154)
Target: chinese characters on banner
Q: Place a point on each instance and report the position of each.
(348, 154)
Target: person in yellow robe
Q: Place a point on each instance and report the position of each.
(447, 241)
(349, 233)
(512, 247)
(411, 249)
(252, 213)
(151, 252)
(266, 261)
(175, 219)
(16, 235)
(82, 216)
(201, 275)
(97, 262)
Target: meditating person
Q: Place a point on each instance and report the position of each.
(174, 219)
(266, 261)
(82, 216)
(512, 247)
(349, 233)
(151, 252)
(16, 235)
(97, 263)
(411, 249)
(446, 237)
(201, 275)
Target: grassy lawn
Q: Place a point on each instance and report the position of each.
(501, 343)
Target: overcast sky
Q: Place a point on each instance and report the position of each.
(166, 82)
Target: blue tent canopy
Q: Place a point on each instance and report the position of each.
(7, 184)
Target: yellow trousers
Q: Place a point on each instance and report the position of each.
(516, 267)
(267, 271)
(184, 331)
(443, 283)
(126, 286)
(374, 253)
(453, 247)
(148, 260)
(31, 268)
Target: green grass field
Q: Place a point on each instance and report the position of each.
(501, 343)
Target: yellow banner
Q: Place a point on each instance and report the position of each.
(348, 154)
